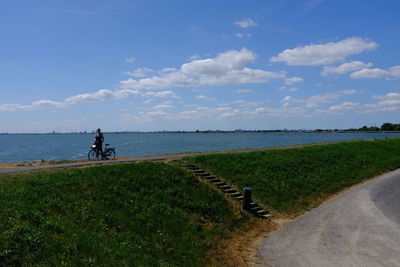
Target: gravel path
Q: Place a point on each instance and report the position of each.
(361, 227)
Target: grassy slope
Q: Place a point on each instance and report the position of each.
(147, 214)
(296, 179)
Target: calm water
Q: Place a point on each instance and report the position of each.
(22, 148)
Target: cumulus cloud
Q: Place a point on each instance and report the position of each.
(203, 97)
(241, 35)
(246, 23)
(100, 95)
(284, 111)
(226, 68)
(345, 68)
(393, 72)
(34, 105)
(324, 54)
(243, 91)
(245, 103)
(163, 106)
(139, 72)
(315, 100)
(389, 96)
(387, 103)
(293, 80)
(345, 106)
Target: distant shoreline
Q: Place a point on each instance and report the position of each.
(210, 132)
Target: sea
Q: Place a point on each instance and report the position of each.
(15, 148)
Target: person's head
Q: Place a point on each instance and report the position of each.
(98, 130)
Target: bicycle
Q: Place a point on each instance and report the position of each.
(108, 153)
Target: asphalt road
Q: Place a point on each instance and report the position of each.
(360, 227)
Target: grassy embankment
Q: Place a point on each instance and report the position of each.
(145, 214)
(155, 214)
(295, 180)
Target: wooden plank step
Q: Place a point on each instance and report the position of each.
(190, 166)
(262, 212)
(239, 197)
(230, 190)
(214, 180)
(219, 183)
(224, 186)
(255, 209)
(235, 194)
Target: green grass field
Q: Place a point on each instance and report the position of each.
(293, 180)
(157, 214)
(146, 214)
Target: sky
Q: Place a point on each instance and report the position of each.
(149, 65)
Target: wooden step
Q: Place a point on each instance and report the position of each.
(230, 190)
(224, 186)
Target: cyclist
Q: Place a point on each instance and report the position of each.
(98, 141)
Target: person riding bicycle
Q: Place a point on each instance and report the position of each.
(98, 141)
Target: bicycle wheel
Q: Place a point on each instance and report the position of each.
(92, 155)
(110, 154)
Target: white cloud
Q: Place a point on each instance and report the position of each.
(389, 96)
(194, 57)
(293, 80)
(345, 106)
(140, 72)
(285, 111)
(243, 91)
(203, 97)
(163, 106)
(241, 35)
(246, 23)
(245, 103)
(388, 103)
(345, 68)
(130, 59)
(173, 79)
(167, 70)
(34, 105)
(315, 100)
(393, 72)
(324, 54)
(100, 95)
(225, 69)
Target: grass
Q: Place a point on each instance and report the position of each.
(145, 214)
(295, 180)
(156, 214)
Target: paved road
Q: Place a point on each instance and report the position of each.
(360, 227)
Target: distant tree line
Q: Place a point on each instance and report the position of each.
(387, 126)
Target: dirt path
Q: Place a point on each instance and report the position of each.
(361, 227)
(91, 163)
(9, 168)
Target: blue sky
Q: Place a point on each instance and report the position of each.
(186, 65)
